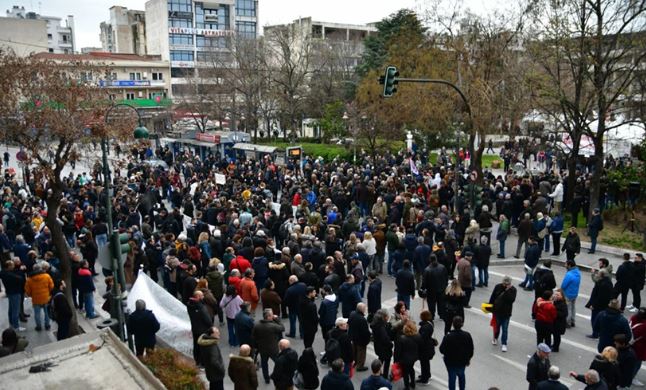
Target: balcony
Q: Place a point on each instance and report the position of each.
(125, 83)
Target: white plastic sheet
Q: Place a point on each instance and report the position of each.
(175, 326)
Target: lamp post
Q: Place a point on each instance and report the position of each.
(140, 132)
(457, 168)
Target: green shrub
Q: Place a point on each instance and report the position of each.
(174, 370)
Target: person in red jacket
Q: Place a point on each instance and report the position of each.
(545, 313)
(235, 279)
(638, 326)
(239, 263)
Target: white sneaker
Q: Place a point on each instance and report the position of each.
(504, 348)
(633, 310)
(637, 383)
(630, 307)
(21, 329)
(494, 341)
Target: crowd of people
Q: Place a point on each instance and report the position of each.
(252, 255)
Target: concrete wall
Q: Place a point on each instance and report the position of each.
(24, 36)
(157, 28)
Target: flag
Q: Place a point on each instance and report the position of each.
(413, 167)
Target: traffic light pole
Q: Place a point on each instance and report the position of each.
(396, 80)
(116, 308)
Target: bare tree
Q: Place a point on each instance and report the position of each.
(47, 105)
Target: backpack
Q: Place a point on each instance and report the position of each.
(51, 307)
(332, 350)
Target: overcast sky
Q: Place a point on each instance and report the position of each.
(89, 13)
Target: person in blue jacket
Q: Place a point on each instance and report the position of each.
(375, 381)
(570, 286)
(556, 230)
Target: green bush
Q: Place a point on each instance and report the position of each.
(174, 370)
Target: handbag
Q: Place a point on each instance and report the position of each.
(299, 383)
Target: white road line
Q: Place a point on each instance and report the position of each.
(523, 368)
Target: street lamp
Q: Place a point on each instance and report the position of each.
(140, 132)
(457, 168)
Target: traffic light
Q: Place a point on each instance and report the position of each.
(390, 81)
(120, 245)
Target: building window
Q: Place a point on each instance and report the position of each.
(50, 50)
(130, 96)
(181, 55)
(212, 18)
(186, 23)
(246, 29)
(246, 8)
(132, 76)
(180, 39)
(182, 72)
(180, 5)
(65, 38)
(49, 36)
(158, 76)
(219, 42)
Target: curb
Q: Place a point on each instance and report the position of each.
(555, 261)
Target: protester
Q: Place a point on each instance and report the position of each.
(359, 333)
(14, 282)
(426, 347)
(601, 295)
(382, 335)
(538, 366)
(339, 345)
(610, 323)
(405, 284)
(455, 300)
(625, 279)
(39, 286)
(12, 343)
(61, 310)
(242, 370)
(375, 381)
(243, 325)
(457, 348)
(294, 296)
(336, 379)
(230, 305)
(434, 283)
(502, 298)
(211, 358)
(570, 286)
(639, 276)
(374, 294)
(143, 325)
(591, 379)
(307, 371)
(560, 323)
(285, 365)
(200, 321)
(638, 327)
(552, 382)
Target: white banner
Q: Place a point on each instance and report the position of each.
(175, 326)
(220, 178)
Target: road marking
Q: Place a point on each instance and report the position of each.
(523, 368)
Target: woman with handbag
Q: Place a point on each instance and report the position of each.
(306, 376)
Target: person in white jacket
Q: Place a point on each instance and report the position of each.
(557, 196)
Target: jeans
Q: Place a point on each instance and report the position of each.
(473, 276)
(529, 280)
(502, 323)
(547, 243)
(483, 275)
(293, 317)
(571, 310)
(501, 244)
(233, 341)
(264, 365)
(377, 263)
(38, 311)
(101, 240)
(459, 373)
(593, 243)
(389, 266)
(14, 310)
(405, 299)
(88, 300)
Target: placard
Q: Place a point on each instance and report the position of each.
(220, 178)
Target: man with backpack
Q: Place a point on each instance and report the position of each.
(60, 310)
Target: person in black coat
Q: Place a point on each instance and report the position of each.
(624, 277)
(143, 325)
(538, 366)
(309, 369)
(639, 276)
(434, 282)
(348, 296)
(309, 317)
(482, 256)
(560, 323)
(382, 336)
(502, 298)
(359, 333)
(407, 347)
(374, 294)
(340, 334)
(293, 298)
(405, 282)
(602, 293)
(543, 279)
(201, 321)
(427, 345)
(285, 366)
(457, 348)
(552, 382)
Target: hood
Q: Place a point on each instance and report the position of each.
(239, 359)
(277, 266)
(331, 297)
(206, 341)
